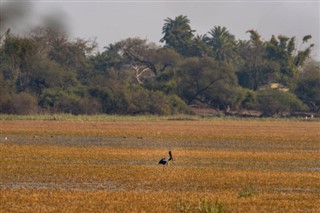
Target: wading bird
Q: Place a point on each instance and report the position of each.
(165, 161)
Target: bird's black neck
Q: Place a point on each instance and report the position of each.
(170, 156)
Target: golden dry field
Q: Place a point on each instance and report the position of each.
(111, 166)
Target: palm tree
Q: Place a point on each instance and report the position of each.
(255, 37)
(177, 34)
(200, 48)
(223, 43)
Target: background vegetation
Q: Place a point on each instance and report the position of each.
(47, 72)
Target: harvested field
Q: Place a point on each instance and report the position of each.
(111, 166)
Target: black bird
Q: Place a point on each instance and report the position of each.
(165, 161)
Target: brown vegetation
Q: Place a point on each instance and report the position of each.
(91, 166)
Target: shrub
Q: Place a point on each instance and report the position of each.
(21, 103)
(206, 206)
(59, 101)
(142, 101)
(274, 102)
(76, 105)
(249, 100)
(177, 105)
(247, 191)
(138, 100)
(183, 206)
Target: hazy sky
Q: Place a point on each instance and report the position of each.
(111, 21)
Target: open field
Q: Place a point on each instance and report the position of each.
(111, 166)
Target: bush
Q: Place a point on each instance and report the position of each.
(249, 99)
(204, 206)
(55, 101)
(142, 101)
(137, 100)
(177, 105)
(77, 105)
(273, 102)
(21, 103)
(247, 191)
(183, 206)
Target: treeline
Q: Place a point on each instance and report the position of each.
(46, 72)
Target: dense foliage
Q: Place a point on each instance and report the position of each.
(47, 72)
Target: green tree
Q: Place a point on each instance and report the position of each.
(73, 57)
(27, 63)
(308, 85)
(223, 44)
(200, 47)
(282, 51)
(16, 55)
(303, 55)
(255, 69)
(178, 34)
(209, 82)
(147, 60)
(110, 58)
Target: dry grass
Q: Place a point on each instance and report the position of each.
(98, 166)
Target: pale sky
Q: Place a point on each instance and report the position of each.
(112, 21)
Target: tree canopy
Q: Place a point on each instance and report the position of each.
(46, 71)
